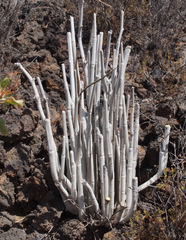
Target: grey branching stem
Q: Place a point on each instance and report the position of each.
(96, 172)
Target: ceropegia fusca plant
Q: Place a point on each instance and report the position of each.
(96, 172)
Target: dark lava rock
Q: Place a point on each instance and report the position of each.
(157, 73)
(142, 92)
(5, 221)
(7, 192)
(47, 213)
(113, 235)
(152, 155)
(71, 230)
(20, 123)
(181, 114)
(18, 160)
(166, 108)
(13, 234)
(28, 39)
(2, 153)
(36, 236)
(36, 143)
(30, 193)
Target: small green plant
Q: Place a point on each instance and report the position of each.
(6, 91)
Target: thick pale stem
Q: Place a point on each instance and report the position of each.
(163, 156)
(125, 128)
(36, 97)
(71, 130)
(64, 124)
(120, 35)
(134, 201)
(80, 194)
(71, 66)
(62, 172)
(135, 146)
(123, 178)
(92, 196)
(80, 28)
(108, 49)
(106, 190)
(69, 102)
(44, 97)
(101, 165)
(74, 177)
(93, 62)
(51, 151)
(117, 171)
(73, 39)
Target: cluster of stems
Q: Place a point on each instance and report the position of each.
(96, 172)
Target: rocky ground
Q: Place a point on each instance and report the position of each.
(33, 32)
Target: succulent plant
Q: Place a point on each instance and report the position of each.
(96, 172)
